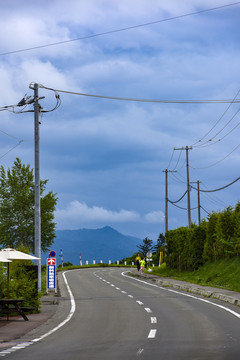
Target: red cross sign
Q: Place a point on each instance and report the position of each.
(51, 261)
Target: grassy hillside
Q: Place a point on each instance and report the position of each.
(223, 274)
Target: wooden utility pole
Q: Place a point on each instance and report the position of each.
(188, 183)
(37, 185)
(166, 197)
(199, 206)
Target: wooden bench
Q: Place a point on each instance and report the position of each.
(9, 306)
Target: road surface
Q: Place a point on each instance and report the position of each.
(114, 316)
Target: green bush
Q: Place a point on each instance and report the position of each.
(22, 283)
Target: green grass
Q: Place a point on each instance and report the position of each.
(222, 274)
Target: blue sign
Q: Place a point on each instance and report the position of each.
(51, 274)
(52, 253)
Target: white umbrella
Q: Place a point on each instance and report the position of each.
(11, 254)
(3, 259)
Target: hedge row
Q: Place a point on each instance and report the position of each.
(216, 238)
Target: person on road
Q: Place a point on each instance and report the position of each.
(138, 259)
(142, 265)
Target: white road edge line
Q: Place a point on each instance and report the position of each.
(72, 311)
(184, 294)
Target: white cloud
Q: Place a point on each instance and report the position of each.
(154, 217)
(79, 213)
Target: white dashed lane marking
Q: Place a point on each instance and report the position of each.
(148, 310)
(153, 332)
(153, 320)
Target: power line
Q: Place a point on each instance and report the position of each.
(182, 208)
(206, 167)
(174, 202)
(121, 29)
(206, 143)
(11, 149)
(12, 136)
(178, 180)
(224, 187)
(142, 100)
(219, 121)
(212, 197)
(205, 210)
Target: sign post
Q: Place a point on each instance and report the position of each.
(51, 272)
(149, 259)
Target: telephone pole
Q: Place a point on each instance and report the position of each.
(188, 183)
(199, 206)
(198, 199)
(37, 238)
(166, 198)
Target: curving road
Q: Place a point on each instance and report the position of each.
(114, 316)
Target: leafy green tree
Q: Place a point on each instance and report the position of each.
(146, 246)
(17, 208)
(161, 241)
(237, 229)
(209, 252)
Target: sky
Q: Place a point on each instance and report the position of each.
(106, 158)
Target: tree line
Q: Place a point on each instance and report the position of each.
(216, 238)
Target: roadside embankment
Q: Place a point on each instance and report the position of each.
(231, 297)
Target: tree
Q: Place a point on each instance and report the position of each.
(146, 247)
(161, 242)
(17, 208)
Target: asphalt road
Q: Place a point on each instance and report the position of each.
(113, 316)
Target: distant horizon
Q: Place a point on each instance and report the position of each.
(104, 243)
(111, 227)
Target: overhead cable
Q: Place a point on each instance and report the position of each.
(182, 208)
(11, 149)
(121, 29)
(210, 141)
(174, 202)
(224, 187)
(142, 100)
(205, 210)
(219, 121)
(217, 162)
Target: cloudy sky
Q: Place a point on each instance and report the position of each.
(105, 158)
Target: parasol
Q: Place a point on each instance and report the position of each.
(10, 254)
(3, 259)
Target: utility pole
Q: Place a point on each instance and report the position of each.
(166, 198)
(37, 241)
(188, 183)
(198, 197)
(199, 207)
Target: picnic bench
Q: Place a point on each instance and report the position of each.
(8, 306)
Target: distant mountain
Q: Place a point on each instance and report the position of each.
(99, 244)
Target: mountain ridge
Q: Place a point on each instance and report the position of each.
(102, 244)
